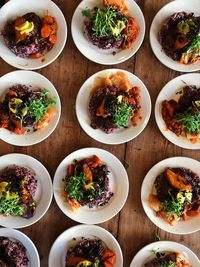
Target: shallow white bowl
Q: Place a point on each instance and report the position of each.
(192, 224)
(168, 92)
(102, 56)
(15, 8)
(119, 136)
(36, 80)
(31, 250)
(159, 19)
(65, 241)
(43, 195)
(118, 183)
(146, 254)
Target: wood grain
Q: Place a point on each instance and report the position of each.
(131, 226)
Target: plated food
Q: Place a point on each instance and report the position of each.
(23, 181)
(24, 109)
(17, 189)
(90, 252)
(87, 183)
(113, 106)
(85, 245)
(177, 111)
(177, 195)
(108, 31)
(29, 108)
(93, 188)
(13, 253)
(114, 103)
(31, 37)
(17, 249)
(175, 35)
(108, 26)
(171, 195)
(165, 253)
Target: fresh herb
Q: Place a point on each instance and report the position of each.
(86, 12)
(193, 51)
(157, 236)
(11, 206)
(128, 164)
(122, 114)
(168, 264)
(74, 186)
(106, 22)
(38, 107)
(173, 207)
(190, 119)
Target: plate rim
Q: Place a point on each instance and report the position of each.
(183, 68)
(50, 183)
(83, 221)
(158, 116)
(99, 61)
(59, 106)
(148, 98)
(155, 222)
(28, 240)
(43, 64)
(157, 243)
(93, 228)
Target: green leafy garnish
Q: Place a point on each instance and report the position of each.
(190, 119)
(193, 51)
(122, 114)
(173, 207)
(74, 186)
(38, 107)
(168, 264)
(11, 206)
(157, 236)
(105, 22)
(86, 12)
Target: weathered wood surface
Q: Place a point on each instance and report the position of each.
(131, 226)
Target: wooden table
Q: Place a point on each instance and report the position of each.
(131, 226)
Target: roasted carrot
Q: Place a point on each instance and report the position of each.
(52, 38)
(36, 55)
(19, 131)
(12, 93)
(107, 264)
(177, 181)
(87, 172)
(48, 19)
(46, 31)
(193, 213)
(181, 41)
(107, 254)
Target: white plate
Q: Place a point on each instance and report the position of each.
(17, 236)
(65, 240)
(168, 92)
(159, 19)
(118, 183)
(191, 225)
(145, 254)
(43, 195)
(36, 80)
(15, 8)
(119, 136)
(92, 52)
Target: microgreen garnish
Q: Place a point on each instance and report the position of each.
(122, 114)
(168, 264)
(74, 186)
(11, 206)
(172, 206)
(157, 236)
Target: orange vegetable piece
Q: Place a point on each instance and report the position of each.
(19, 21)
(48, 19)
(177, 181)
(87, 173)
(131, 31)
(36, 55)
(181, 41)
(46, 31)
(12, 93)
(73, 260)
(193, 213)
(109, 258)
(52, 38)
(19, 131)
(70, 170)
